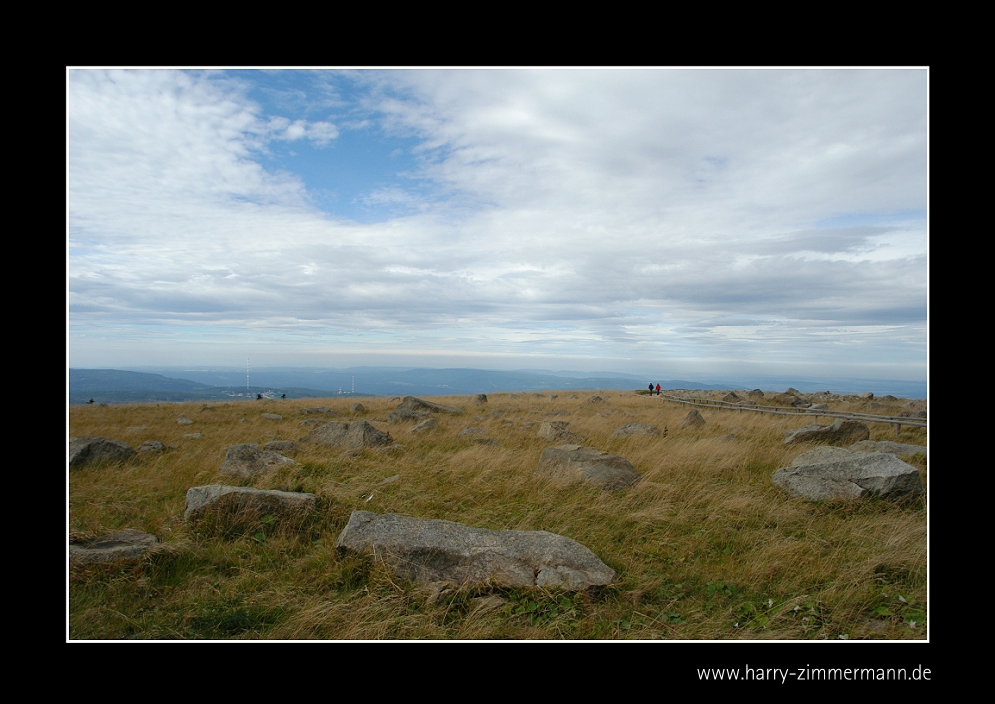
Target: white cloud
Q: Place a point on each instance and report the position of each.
(566, 202)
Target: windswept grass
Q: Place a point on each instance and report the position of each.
(705, 546)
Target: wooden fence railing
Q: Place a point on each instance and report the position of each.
(897, 421)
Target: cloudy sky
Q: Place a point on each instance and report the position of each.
(669, 221)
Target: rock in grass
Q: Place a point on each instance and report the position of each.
(151, 446)
(129, 544)
(247, 460)
(356, 434)
(574, 463)
(480, 398)
(842, 432)
(426, 424)
(837, 473)
(428, 551)
(284, 447)
(636, 429)
(236, 504)
(90, 450)
(272, 416)
(410, 403)
(556, 431)
(693, 419)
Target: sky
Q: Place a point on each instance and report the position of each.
(686, 222)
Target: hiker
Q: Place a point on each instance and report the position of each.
(651, 388)
(657, 389)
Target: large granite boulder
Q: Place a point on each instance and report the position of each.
(428, 551)
(90, 450)
(236, 504)
(354, 435)
(575, 463)
(129, 544)
(842, 432)
(247, 460)
(838, 473)
(410, 403)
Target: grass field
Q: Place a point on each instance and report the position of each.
(705, 546)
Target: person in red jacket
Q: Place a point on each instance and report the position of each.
(657, 389)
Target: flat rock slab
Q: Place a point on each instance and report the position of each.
(430, 551)
(90, 450)
(575, 463)
(838, 473)
(247, 460)
(900, 449)
(236, 503)
(272, 416)
(410, 403)
(127, 544)
(842, 432)
(356, 434)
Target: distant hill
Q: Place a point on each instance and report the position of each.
(119, 386)
(226, 383)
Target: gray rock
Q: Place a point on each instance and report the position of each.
(693, 419)
(322, 410)
(400, 415)
(842, 432)
(193, 436)
(247, 460)
(636, 429)
(150, 446)
(183, 420)
(836, 472)
(272, 416)
(310, 422)
(480, 398)
(732, 397)
(594, 399)
(410, 403)
(234, 504)
(556, 431)
(357, 434)
(357, 408)
(129, 544)
(430, 551)
(899, 449)
(90, 450)
(756, 395)
(426, 424)
(574, 463)
(284, 447)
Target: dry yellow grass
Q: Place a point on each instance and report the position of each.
(705, 546)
